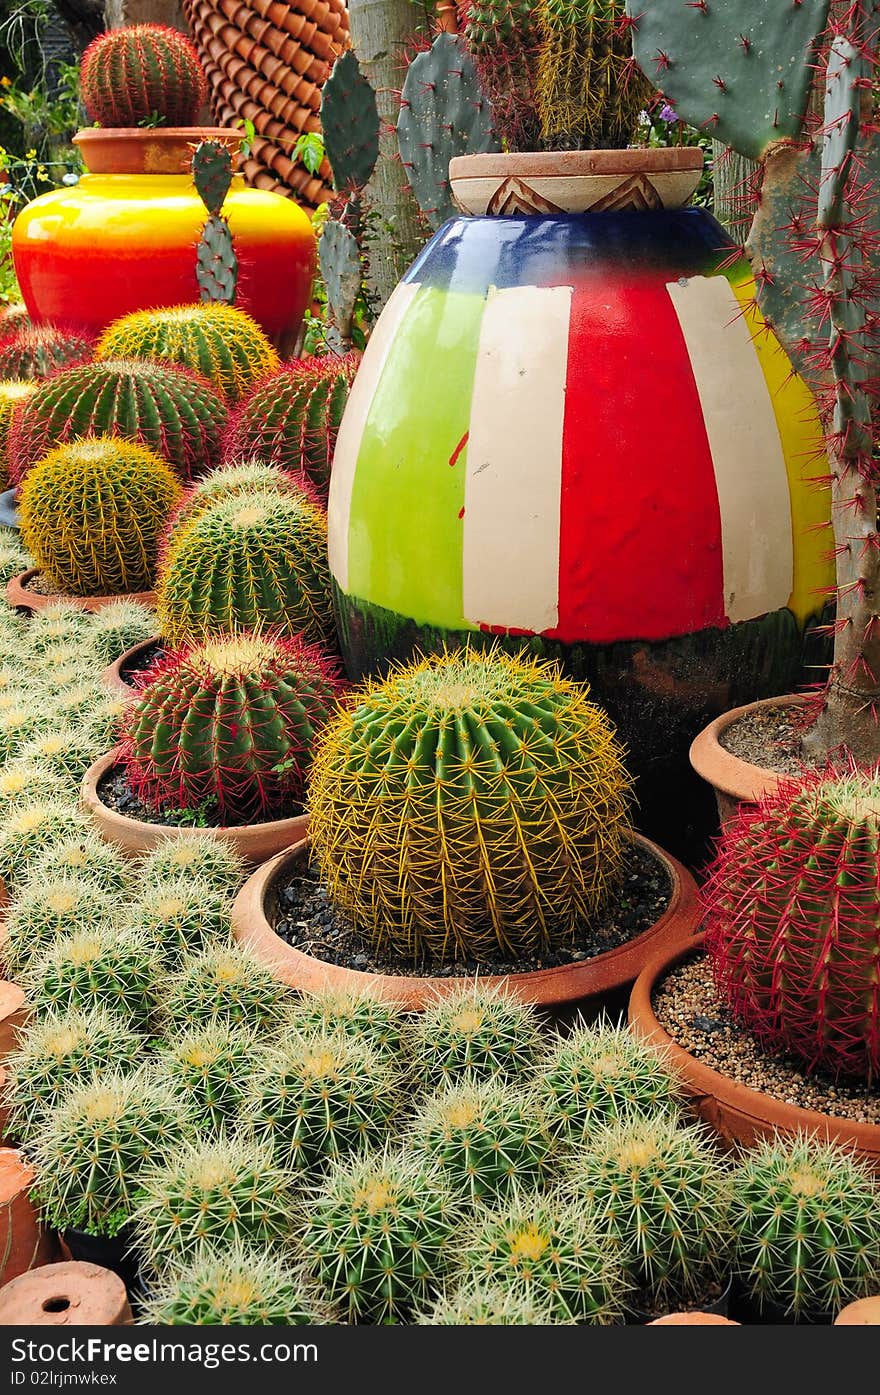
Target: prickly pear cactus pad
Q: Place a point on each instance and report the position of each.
(350, 123)
(739, 70)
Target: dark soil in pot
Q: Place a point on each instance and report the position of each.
(745, 1309)
(643, 1307)
(115, 791)
(689, 1008)
(111, 1252)
(770, 737)
(141, 661)
(303, 916)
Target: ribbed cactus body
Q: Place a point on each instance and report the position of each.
(117, 627)
(792, 914)
(472, 804)
(502, 36)
(216, 341)
(29, 832)
(491, 1305)
(589, 91)
(92, 513)
(12, 392)
(172, 412)
(357, 1014)
(84, 853)
(46, 910)
(223, 986)
(200, 855)
(131, 76)
(255, 561)
(238, 477)
(231, 721)
(37, 351)
(292, 417)
(181, 917)
(242, 1285)
(101, 968)
(211, 1067)
(494, 22)
(490, 1139)
(594, 1075)
(475, 1033)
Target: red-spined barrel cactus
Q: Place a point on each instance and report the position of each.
(230, 721)
(36, 351)
(292, 417)
(793, 920)
(167, 409)
(135, 75)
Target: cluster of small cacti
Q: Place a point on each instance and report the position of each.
(142, 74)
(430, 759)
(92, 513)
(37, 351)
(216, 341)
(230, 721)
(162, 407)
(257, 560)
(292, 417)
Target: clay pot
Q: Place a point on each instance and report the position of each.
(23, 1243)
(735, 781)
(575, 181)
(547, 988)
(692, 1320)
(149, 150)
(864, 1313)
(255, 842)
(112, 674)
(20, 597)
(739, 1115)
(68, 1294)
(13, 1015)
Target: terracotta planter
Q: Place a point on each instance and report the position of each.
(575, 181)
(112, 674)
(547, 988)
(864, 1313)
(23, 1242)
(68, 1294)
(735, 781)
(255, 842)
(13, 1015)
(20, 597)
(741, 1116)
(692, 1320)
(475, 502)
(157, 150)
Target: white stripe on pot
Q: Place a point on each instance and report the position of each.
(354, 421)
(750, 473)
(514, 460)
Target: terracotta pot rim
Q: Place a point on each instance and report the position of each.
(567, 164)
(704, 1081)
(125, 149)
(720, 768)
(135, 835)
(20, 598)
(112, 674)
(563, 983)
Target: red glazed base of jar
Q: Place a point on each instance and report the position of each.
(255, 842)
(547, 988)
(21, 598)
(739, 1115)
(735, 781)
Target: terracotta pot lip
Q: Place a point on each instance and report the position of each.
(737, 778)
(20, 598)
(158, 150)
(567, 164)
(129, 829)
(562, 983)
(112, 674)
(703, 1080)
(155, 135)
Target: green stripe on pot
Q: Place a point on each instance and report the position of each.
(401, 566)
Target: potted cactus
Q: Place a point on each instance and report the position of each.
(132, 224)
(546, 510)
(494, 839)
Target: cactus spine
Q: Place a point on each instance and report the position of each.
(37, 351)
(92, 513)
(223, 985)
(134, 75)
(589, 91)
(197, 855)
(506, 789)
(241, 1285)
(599, 1074)
(210, 1068)
(475, 1033)
(231, 721)
(100, 968)
(181, 917)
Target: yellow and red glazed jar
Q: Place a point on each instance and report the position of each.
(124, 238)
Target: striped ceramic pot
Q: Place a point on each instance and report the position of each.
(576, 429)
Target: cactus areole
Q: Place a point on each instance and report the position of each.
(578, 432)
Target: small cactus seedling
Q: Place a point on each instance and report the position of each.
(656, 1189)
(216, 262)
(478, 1033)
(492, 1305)
(377, 1235)
(225, 1193)
(443, 113)
(489, 1138)
(350, 124)
(317, 1097)
(239, 1285)
(181, 917)
(98, 968)
(55, 1052)
(94, 1145)
(597, 1074)
(142, 73)
(197, 855)
(805, 1216)
(223, 985)
(211, 1068)
(46, 910)
(548, 1250)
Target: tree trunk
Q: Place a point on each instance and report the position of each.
(381, 30)
(735, 199)
(119, 13)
